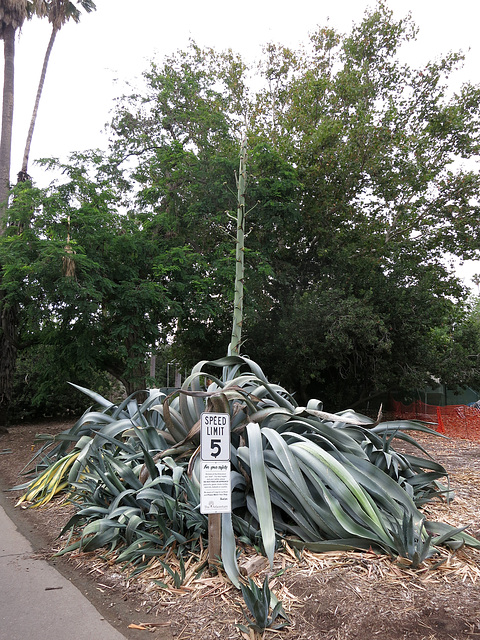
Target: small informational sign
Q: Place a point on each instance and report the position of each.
(215, 486)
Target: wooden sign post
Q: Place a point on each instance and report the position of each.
(215, 486)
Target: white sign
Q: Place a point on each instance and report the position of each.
(215, 486)
(215, 436)
(215, 489)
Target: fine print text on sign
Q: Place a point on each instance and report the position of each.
(215, 490)
(215, 486)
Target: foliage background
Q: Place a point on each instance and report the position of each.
(362, 188)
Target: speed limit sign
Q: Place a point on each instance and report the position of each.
(215, 437)
(215, 483)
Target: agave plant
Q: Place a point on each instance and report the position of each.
(322, 481)
(264, 609)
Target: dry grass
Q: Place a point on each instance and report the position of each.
(330, 596)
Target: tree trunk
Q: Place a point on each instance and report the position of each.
(7, 121)
(23, 175)
(8, 357)
(134, 382)
(8, 320)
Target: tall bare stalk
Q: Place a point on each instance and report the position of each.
(239, 252)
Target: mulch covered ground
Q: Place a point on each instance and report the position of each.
(334, 596)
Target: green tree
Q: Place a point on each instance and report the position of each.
(181, 136)
(12, 15)
(378, 149)
(90, 269)
(360, 184)
(458, 348)
(115, 276)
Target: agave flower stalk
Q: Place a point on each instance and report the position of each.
(239, 253)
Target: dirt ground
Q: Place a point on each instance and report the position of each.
(334, 596)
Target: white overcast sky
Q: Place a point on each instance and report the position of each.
(116, 41)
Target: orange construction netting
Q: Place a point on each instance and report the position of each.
(455, 421)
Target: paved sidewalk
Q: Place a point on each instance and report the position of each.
(36, 601)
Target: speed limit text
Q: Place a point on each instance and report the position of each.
(215, 425)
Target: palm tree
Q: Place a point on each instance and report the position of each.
(12, 15)
(58, 13)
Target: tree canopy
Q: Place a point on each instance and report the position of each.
(362, 188)
(12, 15)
